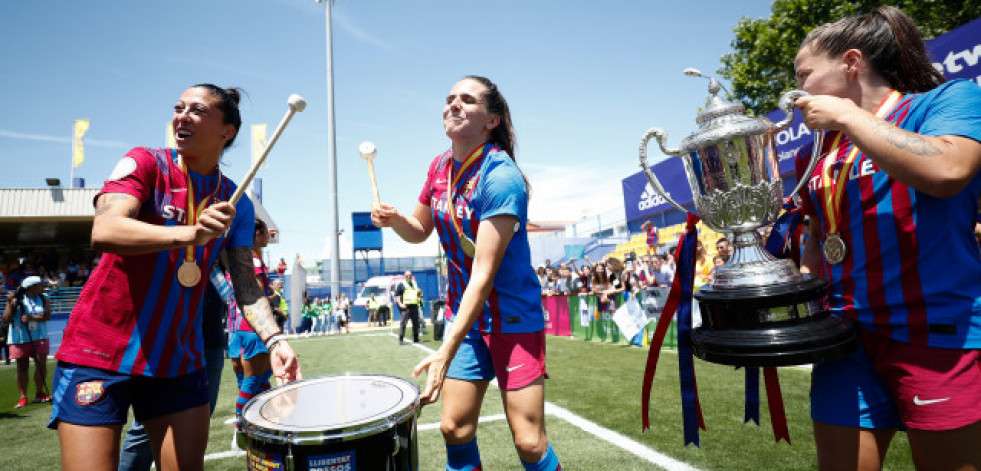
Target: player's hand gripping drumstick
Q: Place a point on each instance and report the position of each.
(368, 151)
(296, 103)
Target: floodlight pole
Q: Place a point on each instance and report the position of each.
(335, 261)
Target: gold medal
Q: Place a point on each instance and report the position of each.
(189, 274)
(834, 249)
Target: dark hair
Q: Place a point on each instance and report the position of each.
(889, 41)
(503, 134)
(228, 99)
(260, 225)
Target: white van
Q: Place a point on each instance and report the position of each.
(383, 287)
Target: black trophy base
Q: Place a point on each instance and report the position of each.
(778, 325)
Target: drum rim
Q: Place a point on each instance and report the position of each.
(280, 437)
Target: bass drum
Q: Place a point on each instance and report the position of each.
(333, 423)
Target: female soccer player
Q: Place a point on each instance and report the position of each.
(892, 208)
(134, 338)
(477, 200)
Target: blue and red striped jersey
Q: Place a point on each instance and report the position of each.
(133, 316)
(491, 186)
(912, 266)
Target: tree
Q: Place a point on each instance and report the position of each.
(761, 66)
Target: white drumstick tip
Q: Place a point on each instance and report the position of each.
(296, 102)
(367, 150)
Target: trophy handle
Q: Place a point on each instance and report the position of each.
(661, 136)
(787, 105)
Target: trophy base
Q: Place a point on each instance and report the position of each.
(777, 325)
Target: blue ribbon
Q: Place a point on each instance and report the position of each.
(752, 409)
(686, 362)
(783, 230)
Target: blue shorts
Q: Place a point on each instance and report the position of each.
(93, 396)
(849, 392)
(245, 345)
(473, 360)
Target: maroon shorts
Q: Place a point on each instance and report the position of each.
(933, 388)
(29, 349)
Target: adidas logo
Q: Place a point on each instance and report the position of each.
(650, 198)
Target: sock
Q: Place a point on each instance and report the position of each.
(549, 462)
(238, 378)
(251, 385)
(464, 457)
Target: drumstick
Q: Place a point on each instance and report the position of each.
(368, 152)
(296, 103)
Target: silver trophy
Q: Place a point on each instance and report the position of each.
(759, 310)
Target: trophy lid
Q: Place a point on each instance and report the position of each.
(721, 120)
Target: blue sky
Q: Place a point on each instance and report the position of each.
(584, 81)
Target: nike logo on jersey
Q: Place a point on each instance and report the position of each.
(512, 368)
(440, 181)
(923, 402)
(179, 190)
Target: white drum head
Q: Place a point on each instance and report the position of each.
(338, 406)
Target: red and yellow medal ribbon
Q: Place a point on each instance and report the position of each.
(193, 212)
(453, 181)
(835, 188)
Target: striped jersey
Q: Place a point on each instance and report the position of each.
(133, 316)
(491, 186)
(912, 265)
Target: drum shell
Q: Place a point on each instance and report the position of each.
(395, 449)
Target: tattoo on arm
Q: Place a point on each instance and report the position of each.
(905, 140)
(249, 296)
(106, 203)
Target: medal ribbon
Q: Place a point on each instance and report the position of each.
(193, 212)
(453, 181)
(835, 188)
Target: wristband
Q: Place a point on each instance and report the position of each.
(272, 341)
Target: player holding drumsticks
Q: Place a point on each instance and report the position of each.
(134, 337)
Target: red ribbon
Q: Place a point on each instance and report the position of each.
(670, 307)
(774, 399)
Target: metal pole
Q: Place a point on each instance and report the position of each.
(335, 262)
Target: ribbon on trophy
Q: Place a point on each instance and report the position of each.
(783, 242)
(680, 300)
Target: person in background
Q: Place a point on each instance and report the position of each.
(309, 314)
(650, 231)
(895, 243)
(27, 313)
(281, 268)
(723, 248)
(281, 308)
(504, 338)
(408, 296)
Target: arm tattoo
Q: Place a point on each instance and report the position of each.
(249, 296)
(105, 203)
(905, 140)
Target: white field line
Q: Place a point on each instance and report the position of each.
(630, 445)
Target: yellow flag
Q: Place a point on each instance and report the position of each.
(78, 148)
(258, 142)
(171, 140)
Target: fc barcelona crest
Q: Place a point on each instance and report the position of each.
(89, 392)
